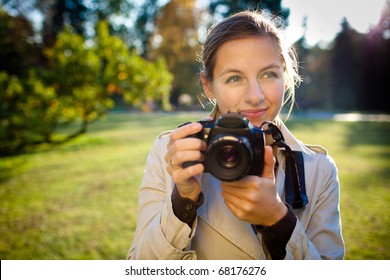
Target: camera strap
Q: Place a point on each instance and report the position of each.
(295, 190)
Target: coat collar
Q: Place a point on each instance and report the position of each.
(294, 143)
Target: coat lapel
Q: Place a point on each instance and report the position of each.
(218, 216)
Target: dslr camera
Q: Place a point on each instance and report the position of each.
(235, 148)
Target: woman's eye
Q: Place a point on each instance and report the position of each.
(269, 75)
(233, 79)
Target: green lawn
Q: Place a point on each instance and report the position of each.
(78, 201)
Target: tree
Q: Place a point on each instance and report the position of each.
(18, 51)
(373, 92)
(176, 38)
(315, 90)
(346, 66)
(76, 87)
(228, 7)
(60, 14)
(145, 24)
(82, 15)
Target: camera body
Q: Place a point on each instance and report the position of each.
(235, 148)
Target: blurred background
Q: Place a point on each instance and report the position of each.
(85, 86)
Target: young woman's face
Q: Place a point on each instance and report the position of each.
(248, 78)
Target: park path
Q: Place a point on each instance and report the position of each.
(350, 117)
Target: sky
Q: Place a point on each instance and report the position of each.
(324, 17)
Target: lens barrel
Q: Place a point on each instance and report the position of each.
(229, 157)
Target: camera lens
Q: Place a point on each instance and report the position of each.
(229, 157)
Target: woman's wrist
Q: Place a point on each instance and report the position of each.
(278, 214)
(277, 236)
(185, 209)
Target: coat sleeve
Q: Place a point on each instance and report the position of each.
(159, 233)
(318, 236)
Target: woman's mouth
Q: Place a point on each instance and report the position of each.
(254, 114)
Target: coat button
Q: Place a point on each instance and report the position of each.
(189, 207)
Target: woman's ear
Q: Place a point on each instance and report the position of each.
(206, 84)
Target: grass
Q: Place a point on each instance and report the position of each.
(79, 200)
(362, 152)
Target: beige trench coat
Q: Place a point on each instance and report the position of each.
(217, 233)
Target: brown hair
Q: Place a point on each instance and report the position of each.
(246, 24)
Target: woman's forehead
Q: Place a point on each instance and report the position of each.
(247, 51)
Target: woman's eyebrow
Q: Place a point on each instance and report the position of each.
(267, 67)
(230, 70)
(270, 66)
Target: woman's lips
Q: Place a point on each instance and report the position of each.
(254, 114)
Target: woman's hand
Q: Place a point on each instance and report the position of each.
(182, 148)
(255, 199)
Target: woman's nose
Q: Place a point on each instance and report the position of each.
(254, 93)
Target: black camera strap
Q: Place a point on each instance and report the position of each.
(295, 190)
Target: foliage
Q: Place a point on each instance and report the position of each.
(175, 37)
(79, 201)
(374, 85)
(228, 7)
(346, 53)
(314, 91)
(145, 24)
(125, 72)
(18, 51)
(349, 74)
(76, 86)
(25, 118)
(57, 14)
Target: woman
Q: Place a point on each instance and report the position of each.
(185, 213)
